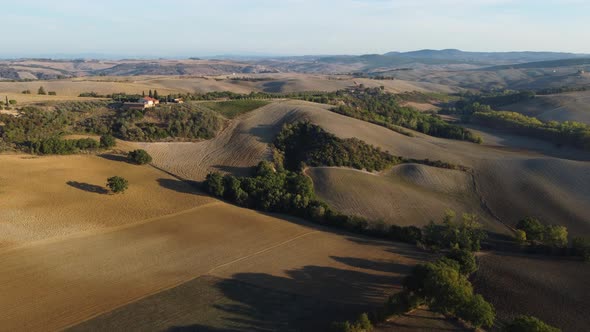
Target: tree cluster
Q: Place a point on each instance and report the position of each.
(465, 234)
(374, 105)
(531, 230)
(445, 289)
(568, 133)
(56, 145)
(305, 144)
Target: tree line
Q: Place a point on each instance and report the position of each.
(567, 133)
(375, 106)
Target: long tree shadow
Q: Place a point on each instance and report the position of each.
(181, 186)
(235, 170)
(115, 157)
(304, 299)
(92, 188)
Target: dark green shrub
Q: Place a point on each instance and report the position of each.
(107, 141)
(139, 156)
(117, 184)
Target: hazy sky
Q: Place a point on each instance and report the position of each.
(199, 28)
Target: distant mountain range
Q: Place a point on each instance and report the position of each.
(458, 55)
(446, 57)
(368, 64)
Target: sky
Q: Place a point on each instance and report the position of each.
(183, 28)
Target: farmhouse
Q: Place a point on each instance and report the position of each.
(149, 102)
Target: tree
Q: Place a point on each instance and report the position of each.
(466, 260)
(478, 312)
(555, 236)
(41, 91)
(139, 156)
(150, 94)
(107, 141)
(214, 184)
(156, 94)
(529, 324)
(12, 102)
(582, 248)
(233, 190)
(117, 184)
(520, 236)
(143, 93)
(466, 234)
(7, 102)
(533, 228)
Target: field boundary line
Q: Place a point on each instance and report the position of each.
(262, 251)
(176, 284)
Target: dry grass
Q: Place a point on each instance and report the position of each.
(556, 291)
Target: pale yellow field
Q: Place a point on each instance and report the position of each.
(53, 196)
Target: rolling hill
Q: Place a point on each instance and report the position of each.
(573, 106)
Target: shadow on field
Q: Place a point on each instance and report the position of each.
(181, 186)
(305, 299)
(264, 133)
(92, 188)
(115, 157)
(369, 264)
(402, 249)
(273, 87)
(309, 299)
(235, 170)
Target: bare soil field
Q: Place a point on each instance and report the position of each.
(62, 283)
(556, 291)
(409, 194)
(54, 196)
(573, 106)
